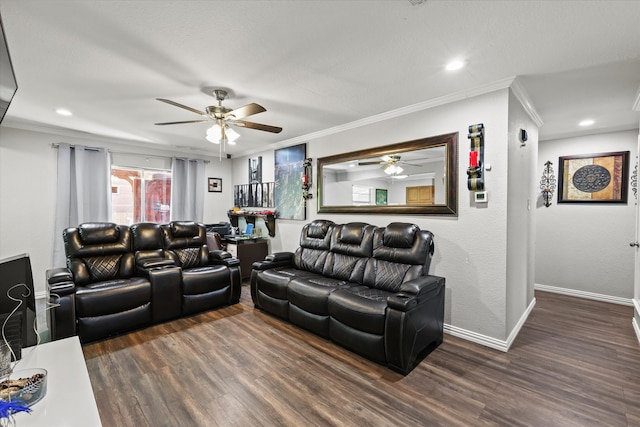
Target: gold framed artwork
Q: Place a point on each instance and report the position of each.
(594, 178)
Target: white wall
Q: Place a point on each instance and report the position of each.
(521, 213)
(585, 247)
(471, 250)
(28, 187)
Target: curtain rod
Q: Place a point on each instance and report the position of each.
(57, 145)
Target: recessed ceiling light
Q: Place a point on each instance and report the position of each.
(64, 112)
(587, 122)
(455, 65)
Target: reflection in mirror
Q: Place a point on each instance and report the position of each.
(417, 176)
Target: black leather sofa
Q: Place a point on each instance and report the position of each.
(366, 288)
(121, 278)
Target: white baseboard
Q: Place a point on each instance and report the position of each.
(583, 294)
(636, 327)
(487, 341)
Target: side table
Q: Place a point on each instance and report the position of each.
(247, 251)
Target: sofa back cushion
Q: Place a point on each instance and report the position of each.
(146, 241)
(401, 252)
(315, 240)
(98, 251)
(351, 247)
(185, 242)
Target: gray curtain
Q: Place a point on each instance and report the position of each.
(83, 191)
(187, 190)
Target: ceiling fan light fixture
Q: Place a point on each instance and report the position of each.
(214, 133)
(231, 134)
(393, 169)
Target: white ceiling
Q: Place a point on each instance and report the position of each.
(313, 65)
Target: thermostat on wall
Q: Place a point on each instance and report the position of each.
(480, 197)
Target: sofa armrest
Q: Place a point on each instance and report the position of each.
(57, 275)
(415, 322)
(60, 281)
(62, 294)
(277, 259)
(219, 256)
(416, 291)
(151, 263)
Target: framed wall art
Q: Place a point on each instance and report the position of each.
(215, 185)
(594, 178)
(255, 170)
(289, 168)
(381, 197)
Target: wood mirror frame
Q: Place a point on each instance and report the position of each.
(450, 206)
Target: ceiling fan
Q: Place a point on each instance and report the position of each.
(223, 117)
(390, 164)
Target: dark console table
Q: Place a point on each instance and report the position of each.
(247, 251)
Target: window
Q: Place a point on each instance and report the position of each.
(361, 195)
(140, 195)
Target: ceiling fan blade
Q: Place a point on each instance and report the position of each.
(247, 110)
(179, 123)
(193, 110)
(257, 126)
(370, 163)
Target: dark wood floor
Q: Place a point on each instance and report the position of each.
(575, 363)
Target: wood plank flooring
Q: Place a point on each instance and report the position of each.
(575, 363)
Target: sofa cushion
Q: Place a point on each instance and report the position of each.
(319, 229)
(354, 239)
(98, 232)
(202, 280)
(112, 296)
(389, 276)
(311, 293)
(345, 267)
(146, 236)
(312, 260)
(274, 282)
(184, 228)
(361, 307)
(414, 247)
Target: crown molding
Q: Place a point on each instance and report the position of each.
(425, 105)
(636, 103)
(522, 96)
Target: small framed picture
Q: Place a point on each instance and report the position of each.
(215, 185)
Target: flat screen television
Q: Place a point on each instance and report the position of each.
(17, 270)
(8, 84)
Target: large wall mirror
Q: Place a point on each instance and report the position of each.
(413, 177)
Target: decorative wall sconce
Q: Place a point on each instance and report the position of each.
(475, 171)
(548, 183)
(634, 181)
(306, 179)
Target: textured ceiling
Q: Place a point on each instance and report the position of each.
(314, 65)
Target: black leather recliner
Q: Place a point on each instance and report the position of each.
(99, 294)
(364, 287)
(204, 285)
